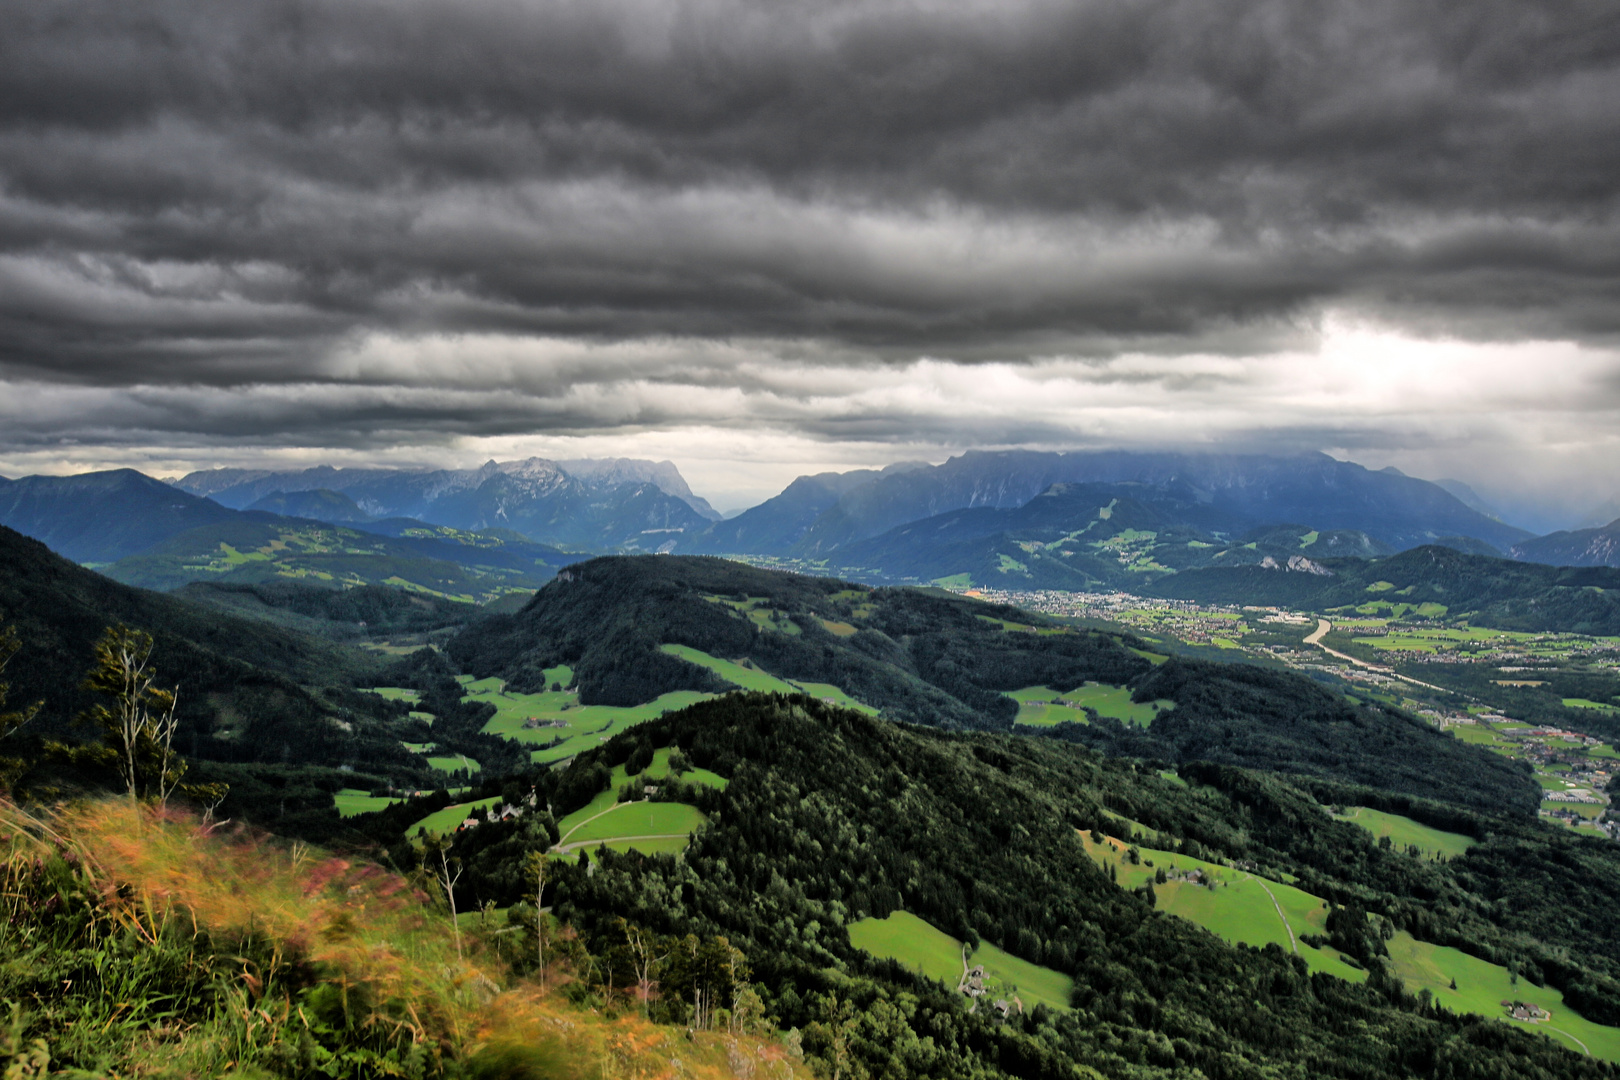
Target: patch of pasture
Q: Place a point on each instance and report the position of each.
(557, 721)
(1116, 701)
(1482, 987)
(1585, 703)
(453, 763)
(582, 824)
(1405, 833)
(749, 677)
(352, 801)
(637, 819)
(592, 725)
(397, 693)
(830, 693)
(1041, 706)
(447, 820)
(1232, 904)
(937, 955)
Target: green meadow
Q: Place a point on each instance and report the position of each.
(638, 819)
(453, 763)
(906, 938)
(749, 677)
(570, 726)
(443, 821)
(1482, 987)
(1403, 832)
(397, 693)
(1240, 907)
(352, 801)
(604, 819)
(1055, 708)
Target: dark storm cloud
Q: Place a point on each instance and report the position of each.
(245, 194)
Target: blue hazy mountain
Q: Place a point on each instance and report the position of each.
(101, 517)
(601, 504)
(1242, 490)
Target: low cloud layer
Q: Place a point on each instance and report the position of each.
(448, 227)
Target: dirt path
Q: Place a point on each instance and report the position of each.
(1292, 944)
(586, 822)
(1572, 1039)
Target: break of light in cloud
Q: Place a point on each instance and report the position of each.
(742, 421)
(762, 241)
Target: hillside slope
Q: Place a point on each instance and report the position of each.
(927, 657)
(252, 696)
(101, 517)
(832, 819)
(253, 547)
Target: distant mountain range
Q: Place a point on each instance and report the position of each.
(1222, 495)
(1577, 547)
(104, 516)
(598, 504)
(1015, 519)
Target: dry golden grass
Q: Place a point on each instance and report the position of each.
(371, 934)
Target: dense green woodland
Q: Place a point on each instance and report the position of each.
(1244, 715)
(272, 711)
(831, 815)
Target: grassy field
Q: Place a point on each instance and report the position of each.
(752, 678)
(578, 727)
(453, 763)
(605, 819)
(1241, 907)
(906, 938)
(352, 801)
(1113, 701)
(660, 819)
(1482, 987)
(1404, 832)
(397, 693)
(749, 678)
(442, 821)
(1041, 706)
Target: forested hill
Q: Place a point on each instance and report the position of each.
(1487, 591)
(831, 817)
(927, 657)
(1240, 714)
(269, 710)
(60, 609)
(920, 656)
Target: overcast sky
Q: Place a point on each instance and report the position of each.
(768, 238)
